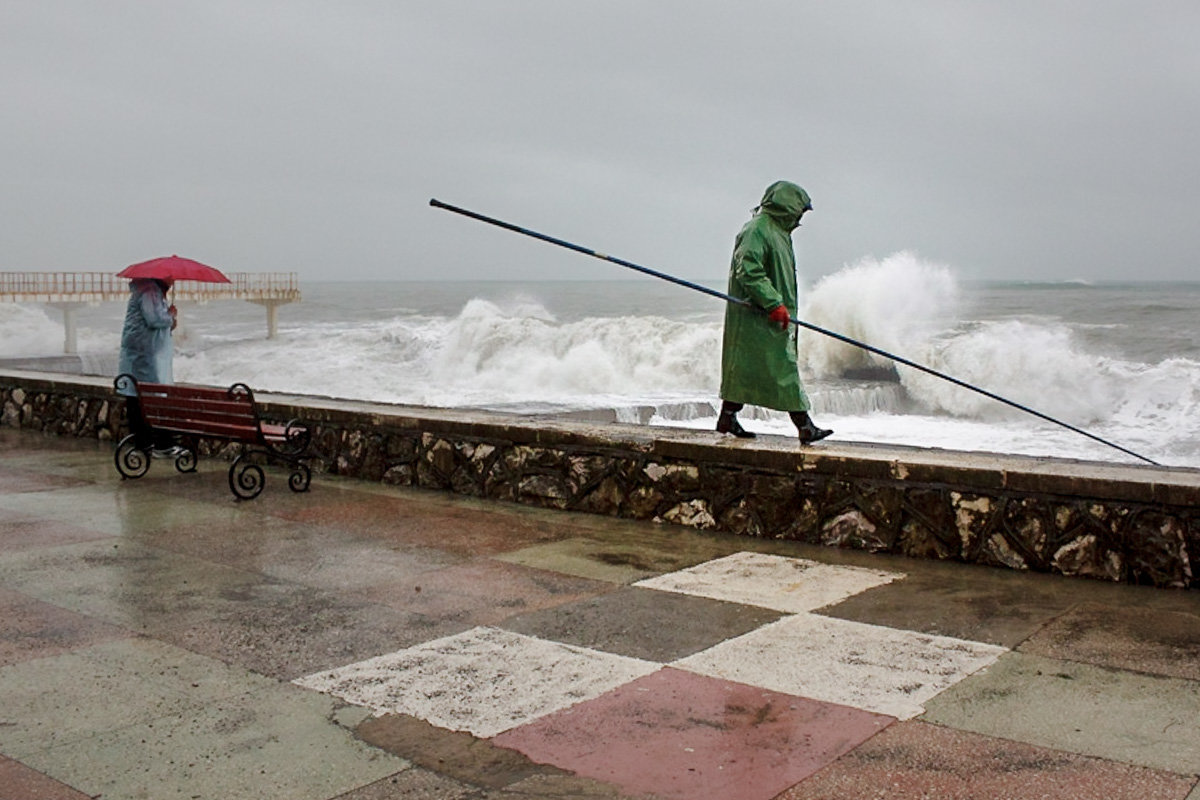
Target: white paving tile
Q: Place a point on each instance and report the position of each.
(878, 669)
(792, 585)
(483, 681)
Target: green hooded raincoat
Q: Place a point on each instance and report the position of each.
(758, 360)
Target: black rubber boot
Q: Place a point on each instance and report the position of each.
(808, 431)
(727, 422)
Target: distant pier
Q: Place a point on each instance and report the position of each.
(68, 291)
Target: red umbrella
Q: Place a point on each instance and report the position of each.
(174, 268)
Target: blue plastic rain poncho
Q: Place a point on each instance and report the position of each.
(146, 348)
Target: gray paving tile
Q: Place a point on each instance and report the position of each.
(1139, 639)
(140, 718)
(116, 510)
(966, 602)
(275, 627)
(286, 630)
(121, 581)
(300, 553)
(595, 559)
(65, 699)
(1080, 708)
(643, 623)
(273, 742)
(917, 761)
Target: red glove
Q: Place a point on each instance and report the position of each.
(779, 315)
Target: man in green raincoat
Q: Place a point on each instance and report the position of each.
(758, 355)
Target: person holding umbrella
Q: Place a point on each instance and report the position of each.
(146, 347)
(758, 353)
(147, 351)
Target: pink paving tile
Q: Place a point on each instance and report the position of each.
(32, 629)
(679, 735)
(18, 481)
(484, 591)
(23, 533)
(466, 531)
(19, 782)
(915, 760)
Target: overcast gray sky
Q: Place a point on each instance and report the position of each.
(1026, 139)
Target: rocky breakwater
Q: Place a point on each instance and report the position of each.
(1134, 524)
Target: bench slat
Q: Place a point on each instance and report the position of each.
(187, 390)
(199, 411)
(172, 411)
(220, 430)
(205, 411)
(163, 397)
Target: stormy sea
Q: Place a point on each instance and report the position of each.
(1120, 361)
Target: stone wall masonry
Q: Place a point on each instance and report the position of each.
(1134, 524)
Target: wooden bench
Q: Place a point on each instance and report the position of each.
(192, 412)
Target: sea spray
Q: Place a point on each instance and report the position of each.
(898, 304)
(486, 355)
(490, 353)
(1041, 366)
(913, 309)
(28, 330)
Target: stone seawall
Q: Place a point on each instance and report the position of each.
(1136, 524)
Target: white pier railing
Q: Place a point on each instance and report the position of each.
(69, 290)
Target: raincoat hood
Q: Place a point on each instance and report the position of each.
(784, 201)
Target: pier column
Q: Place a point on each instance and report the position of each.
(272, 320)
(70, 343)
(272, 307)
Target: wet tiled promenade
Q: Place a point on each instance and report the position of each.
(159, 639)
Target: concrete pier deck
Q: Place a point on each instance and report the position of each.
(367, 642)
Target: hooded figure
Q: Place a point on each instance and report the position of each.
(758, 355)
(146, 349)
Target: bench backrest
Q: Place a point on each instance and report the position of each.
(201, 410)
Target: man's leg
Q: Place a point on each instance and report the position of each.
(143, 435)
(808, 431)
(727, 422)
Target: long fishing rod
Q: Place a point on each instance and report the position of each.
(796, 321)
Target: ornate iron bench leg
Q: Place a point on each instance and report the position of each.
(292, 452)
(301, 476)
(246, 479)
(131, 460)
(186, 460)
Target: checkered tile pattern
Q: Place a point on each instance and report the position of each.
(497, 683)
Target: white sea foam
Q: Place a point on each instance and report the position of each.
(32, 330)
(898, 304)
(644, 353)
(486, 355)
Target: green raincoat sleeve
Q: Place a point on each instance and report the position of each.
(758, 360)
